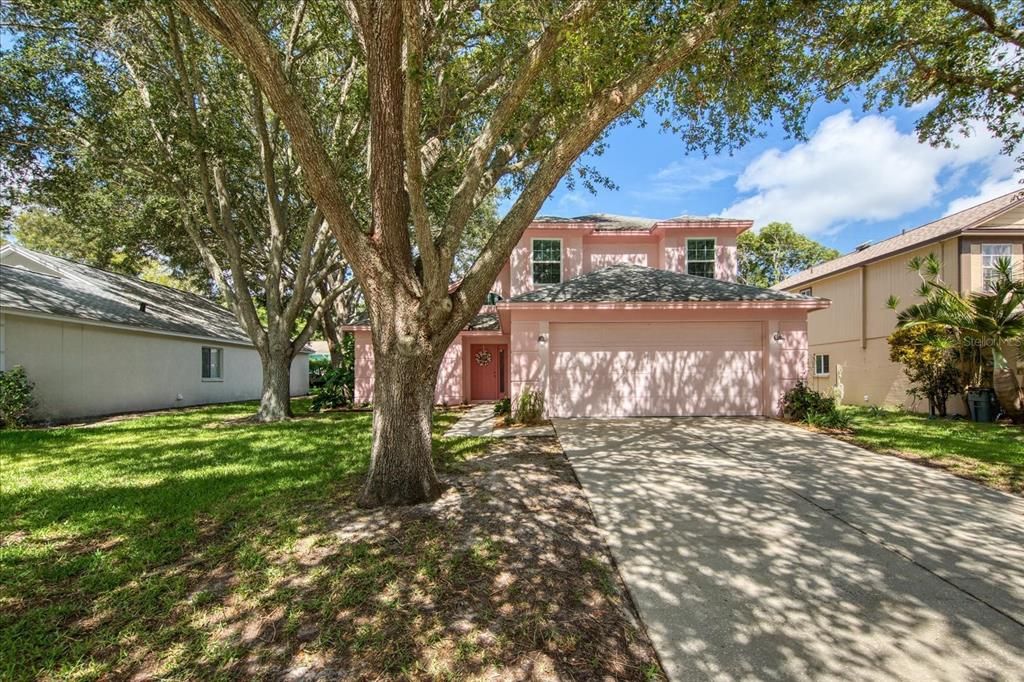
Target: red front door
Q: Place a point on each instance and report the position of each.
(488, 373)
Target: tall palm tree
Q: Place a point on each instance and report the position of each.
(989, 325)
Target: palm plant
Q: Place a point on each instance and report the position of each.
(989, 326)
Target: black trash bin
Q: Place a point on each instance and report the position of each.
(982, 403)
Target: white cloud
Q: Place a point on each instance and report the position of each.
(573, 203)
(1000, 181)
(849, 171)
(679, 178)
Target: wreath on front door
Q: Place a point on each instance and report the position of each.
(483, 358)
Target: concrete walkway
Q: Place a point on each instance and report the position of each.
(479, 422)
(758, 550)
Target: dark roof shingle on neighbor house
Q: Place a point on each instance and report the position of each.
(638, 284)
(909, 239)
(95, 295)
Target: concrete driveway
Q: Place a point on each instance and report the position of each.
(758, 550)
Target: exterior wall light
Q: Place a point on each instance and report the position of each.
(777, 336)
(542, 339)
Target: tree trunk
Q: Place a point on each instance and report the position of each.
(334, 338)
(275, 399)
(401, 466)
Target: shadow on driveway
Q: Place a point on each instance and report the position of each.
(754, 549)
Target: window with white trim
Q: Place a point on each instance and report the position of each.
(700, 257)
(807, 291)
(547, 261)
(991, 254)
(213, 363)
(821, 365)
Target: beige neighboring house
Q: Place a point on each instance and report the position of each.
(847, 342)
(97, 343)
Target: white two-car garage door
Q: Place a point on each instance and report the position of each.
(655, 369)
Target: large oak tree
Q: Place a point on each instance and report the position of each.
(467, 98)
(130, 109)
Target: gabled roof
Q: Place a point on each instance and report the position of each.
(638, 284)
(948, 226)
(94, 295)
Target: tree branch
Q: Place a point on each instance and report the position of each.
(990, 21)
(434, 277)
(605, 108)
(276, 218)
(538, 57)
(239, 34)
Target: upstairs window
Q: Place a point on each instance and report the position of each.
(991, 254)
(807, 292)
(213, 363)
(700, 257)
(547, 261)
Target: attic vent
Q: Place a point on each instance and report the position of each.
(142, 307)
(861, 247)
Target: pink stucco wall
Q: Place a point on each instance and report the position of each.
(528, 370)
(585, 251)
(789, 361)
(673, 245)
(503, 285)
(602, 252)
(364, 367)
(521, 264)
(449, 387)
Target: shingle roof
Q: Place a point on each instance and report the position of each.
(96, 295)
(483, 322)
(638, 284)
(947, 226)
(608, 222)
(604, 221)
(698, 219)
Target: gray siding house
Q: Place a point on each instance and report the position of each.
(96, 342)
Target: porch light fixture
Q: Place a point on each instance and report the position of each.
(777, 336)
(542, 339)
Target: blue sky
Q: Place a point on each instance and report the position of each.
(860, 176)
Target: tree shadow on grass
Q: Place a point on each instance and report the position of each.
(157, 546)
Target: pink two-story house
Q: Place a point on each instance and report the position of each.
(611, 316)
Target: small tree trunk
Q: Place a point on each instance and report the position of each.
(401, 466)
(275, 400)
(334, 338)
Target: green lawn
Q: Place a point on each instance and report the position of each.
(105, 532)
(990, 453)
